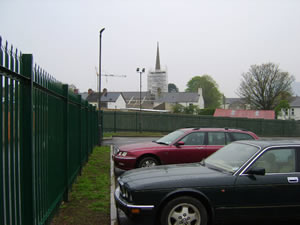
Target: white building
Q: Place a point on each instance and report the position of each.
(293, 112)
(157, 80)
(170, 99)
(109, 100)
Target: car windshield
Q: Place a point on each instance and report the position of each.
(170, 138)
(231, 157)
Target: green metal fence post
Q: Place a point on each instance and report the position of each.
(80, 132)
(26, 140)
(66, 141)
(1, 146)
(115, 121)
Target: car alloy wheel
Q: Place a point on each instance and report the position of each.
(147, 162)
(184, 211)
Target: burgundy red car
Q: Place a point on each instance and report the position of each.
(186, 145)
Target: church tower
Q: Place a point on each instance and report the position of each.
(157, 79)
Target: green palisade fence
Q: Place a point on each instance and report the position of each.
(47, 135)
(116, 121)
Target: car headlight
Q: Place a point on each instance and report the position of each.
(122, 153)
(125, 193)
(116, 150)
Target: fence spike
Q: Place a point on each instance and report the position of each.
(35, 72)
(1, 53)
(16, 61)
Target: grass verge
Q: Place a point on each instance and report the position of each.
(89, 200)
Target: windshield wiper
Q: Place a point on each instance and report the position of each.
(215, 168)
(160, 142)
(202, 163)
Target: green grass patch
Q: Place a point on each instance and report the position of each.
(89, 200)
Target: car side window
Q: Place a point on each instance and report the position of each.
(241, 136)
(229, 139)
(216, 138)
(195, 138)
(277, 161)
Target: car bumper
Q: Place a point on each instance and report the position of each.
(138, 213)
(124, 163)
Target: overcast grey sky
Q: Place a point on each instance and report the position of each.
(221, 38)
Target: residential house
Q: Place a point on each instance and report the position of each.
(293, 112)
(135, 98)
(109, 100)
(235, 103)
(166, 100)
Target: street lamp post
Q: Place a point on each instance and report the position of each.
(140, 72)
(99, 91)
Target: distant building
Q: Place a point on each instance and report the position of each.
(167, 100)
(251, 114)
(235, 103)
(132, 99)
(109, 100)
(293, 112)
(157, 80)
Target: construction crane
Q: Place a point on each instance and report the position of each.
(106, 75)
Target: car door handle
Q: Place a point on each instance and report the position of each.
(293, 180)
(200, 147)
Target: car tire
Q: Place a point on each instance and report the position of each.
(184, 210)
(147, 162)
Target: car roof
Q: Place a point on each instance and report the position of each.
(264, 143)
(213, 129)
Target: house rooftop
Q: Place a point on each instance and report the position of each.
(251, 114)
(106, 97)
(177, 97)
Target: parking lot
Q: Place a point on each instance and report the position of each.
(121, 218)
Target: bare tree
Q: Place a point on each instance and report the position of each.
(263, 86)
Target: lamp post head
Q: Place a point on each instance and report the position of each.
(137, 69)
(102, 30)
(143, 71)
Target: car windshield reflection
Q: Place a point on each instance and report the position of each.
(231, 157)
(170, 138)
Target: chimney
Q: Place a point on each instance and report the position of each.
(90, 91)
(76, 90)
(104, 92)
(200, 91)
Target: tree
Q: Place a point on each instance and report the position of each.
(178, 108)
(191, 109)
(210, 91)
(263, 86)
(172, 88)
(282, 105)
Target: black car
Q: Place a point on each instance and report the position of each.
(245, 180)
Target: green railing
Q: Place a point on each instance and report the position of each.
(47, 135)
(115, 121)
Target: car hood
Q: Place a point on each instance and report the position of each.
(140, 146)
(175, 176)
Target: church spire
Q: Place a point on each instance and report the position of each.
(157, 65)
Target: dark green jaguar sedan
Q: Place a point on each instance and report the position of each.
(245, 180)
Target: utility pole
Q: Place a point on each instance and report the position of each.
(99, 97)
(140, 72)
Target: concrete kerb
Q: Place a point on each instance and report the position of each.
(113, 210)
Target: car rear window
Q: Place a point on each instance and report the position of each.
(241, 136)
(216, 138)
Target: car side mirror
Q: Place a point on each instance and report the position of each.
(257, 171)
(179, 143)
